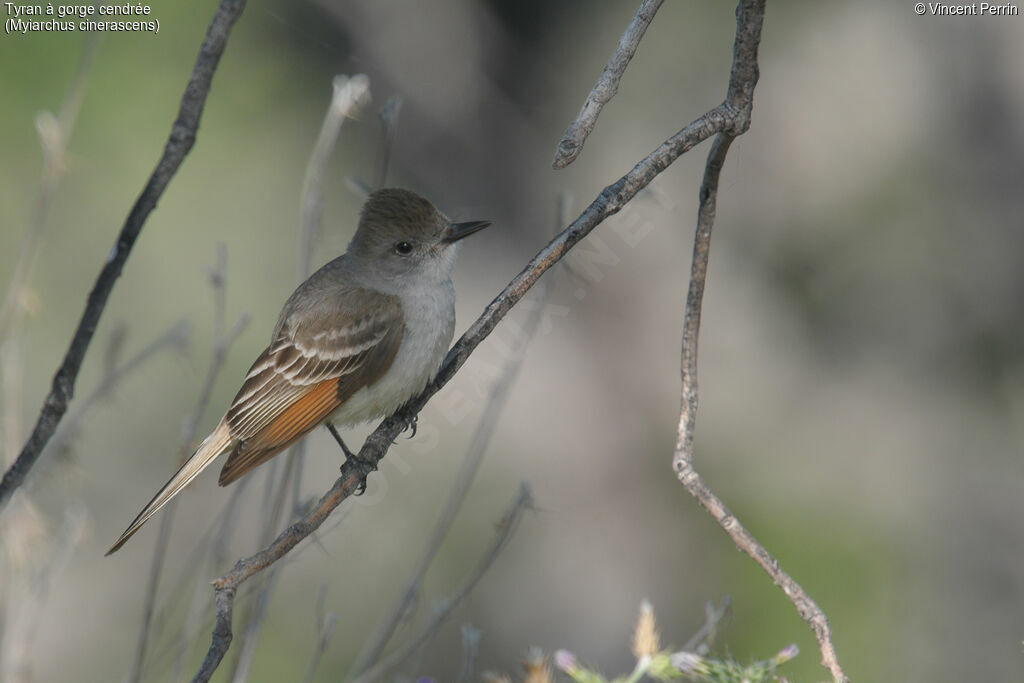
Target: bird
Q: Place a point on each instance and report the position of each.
(354, 342)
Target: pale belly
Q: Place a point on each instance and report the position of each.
(429, 327)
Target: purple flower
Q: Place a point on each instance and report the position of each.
(566, 661)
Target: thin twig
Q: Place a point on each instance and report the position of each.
(496, 402)
(470, 651)
(252, 633)
(682, 461)
(176, 337)
(19, 629)
(215, 556)
(388, 116)
(54, 136)
(258, 612)
(506, 526)
(180, 141)
(325, 627)
(29, 596)
(743, 78)
(156, 566)
(571, 144)
(725, 117)
(347, 96)
(700, 642)
(222, 340)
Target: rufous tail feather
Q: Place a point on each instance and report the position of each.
(215, 444)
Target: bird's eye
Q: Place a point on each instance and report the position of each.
(403, 248)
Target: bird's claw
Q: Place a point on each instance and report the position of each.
(365, 466)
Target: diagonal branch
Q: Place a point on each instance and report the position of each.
(728, 119)
(179, 143)
(507, 525)
(743, 78)
(571, 144)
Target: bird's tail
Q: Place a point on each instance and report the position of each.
(215, 444)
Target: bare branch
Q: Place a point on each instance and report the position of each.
(388, 116)
(571, 144)
(347, 96)
(179, 143)
(325, 627)
(222, 339)
(225, 603)
(470, 651)
(252, 633)
(54, 136)
(176, 337)
(743, 78)
(506, 526)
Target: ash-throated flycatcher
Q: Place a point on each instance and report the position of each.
(354, 342)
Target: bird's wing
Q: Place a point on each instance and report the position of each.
(317, 361)
(320, 356)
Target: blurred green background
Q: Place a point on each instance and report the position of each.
(862, 369)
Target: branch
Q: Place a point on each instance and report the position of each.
(506, 526)
(571, 144)
(54, 137)
(176, 337)
(388, 116)
(180, 141)
(347, 96)
(725, 117)
(743, 78)
(222, 339)
(325, 626)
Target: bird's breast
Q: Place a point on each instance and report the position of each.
(429, 315)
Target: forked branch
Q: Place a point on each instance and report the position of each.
(571, 144)
(740, 97)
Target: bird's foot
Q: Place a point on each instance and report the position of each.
(365, 466)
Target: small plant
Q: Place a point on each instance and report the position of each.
(656, 663)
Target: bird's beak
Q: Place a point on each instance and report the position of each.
(456, 231)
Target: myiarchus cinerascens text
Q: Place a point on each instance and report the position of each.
(354, 342)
